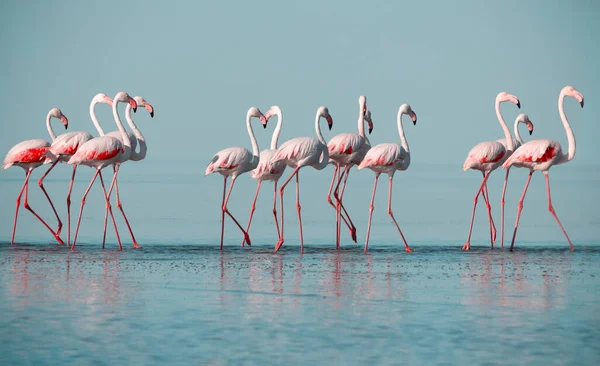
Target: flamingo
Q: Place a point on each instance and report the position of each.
(521, 118)
(542, 155)
(267, 171)
(30, 154)
(101, 152)
(63, 147)
(300, 152)
(232, 162)
(346, 150)
(486, 157)
(388, 158)
(133, 156)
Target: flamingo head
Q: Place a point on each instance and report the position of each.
(369, 120)
(273, 111)
(102, 98)
(407, 109)
(123, 97)
(141, 102)
(573, 93)
(255, 112)
(505, 97)
(523, 118)
(324, 112)
(57, 113)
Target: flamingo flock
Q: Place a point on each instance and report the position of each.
(81, 148)
(343, 151)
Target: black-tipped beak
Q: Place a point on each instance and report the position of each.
(370, 130)
(581, 103)
(519, 104)
(264, 126)
(415, 122)
(66, 126)
(530, 132)
(152, 114)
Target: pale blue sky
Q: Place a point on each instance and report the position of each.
(204, 64)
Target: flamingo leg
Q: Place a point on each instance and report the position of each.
(252, 209)
(333, 179)
(502, 208)
(371, 208)
(519, 209)
(299, 209)
(486, 197)
(553, 212)
(341, 196)
(467, 245)
(222, 211)
(41, 184)
(120, 206)
(110, 189)
(392, 214)
(246, 236)
(28, 207)
(280, 240)
(275, 207)
(108, 205)
(81, 207)
(12, 240)
(69, 206)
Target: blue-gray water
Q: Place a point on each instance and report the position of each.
(180, 300)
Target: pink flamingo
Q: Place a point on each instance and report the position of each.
(388, 158)
(133, 156)
(101, 152)
(30, 154)
(63, 148)
(267, 171)
(486, 157)
(300, 152)
(521, 118)
(542, 155)
(347, 150)
(232, 162)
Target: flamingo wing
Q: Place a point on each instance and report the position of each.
(228, 159)
(29, 151)
(97, 149)
(383, 155)
(266, 167)
(345, 144)
(484, 152)
(68, 143)
(535, 151)
(297, 149)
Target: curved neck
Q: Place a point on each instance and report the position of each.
(49, 127)
(510, 146)
(318, 128)
(124, 136)
(277, 131)
(401, 131)
(517, 134)
(567, 126)
(94, 119)
(138, 135)
(255, 150)
(361, 121)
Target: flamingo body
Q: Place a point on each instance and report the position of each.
(28, 154)
(485, 156)
(347, 148)
(98, 153)
(267, 170)
(66, 145)
(386, 158)
(132, 140)
(232, 162)
(302, 151)
(536, 155)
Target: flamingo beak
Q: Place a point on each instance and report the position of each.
(133, 104)
(530, 127)
(579, 98)
(150, 109)
(64, 121)
(108, 100)
(264, 120)
(329, 122)
(413, 116)
(370, 127)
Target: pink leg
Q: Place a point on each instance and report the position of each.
(502, 209)
(252, 209)
(519, 209)
(246, 236)
(299, 215)
(110, 189)
(392, 215)
(107, 198)
(371, 207)
(341, 197)
(551, 209)
(280, 240)
(81, 208)
(26, 205)
(12, 240)
(275, 207)
(69, 206)
(467, 245)
(486, 196)
(333, 179)
(120, 206)
(222, 211)
(41, 184)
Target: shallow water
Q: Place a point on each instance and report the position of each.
(198, 305)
